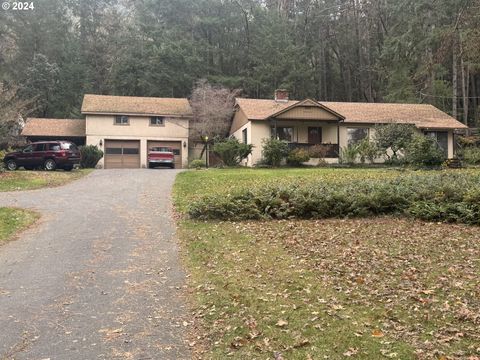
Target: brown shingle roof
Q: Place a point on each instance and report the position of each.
(54, 127)
(105, 104)
(422, 115)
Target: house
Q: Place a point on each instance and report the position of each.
(331, 125)
(124, 127)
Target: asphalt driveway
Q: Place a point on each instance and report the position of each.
(99, 277)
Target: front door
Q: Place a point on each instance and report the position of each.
(314, 135)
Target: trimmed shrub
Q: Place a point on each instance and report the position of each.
(367, 150)
(393, 137)
(90, 156)
(231, 151)
(348, 154)
(197, 164)
(274, 151)
(471, 155)
(439, 197)
(318, 151)
(297, 157)
(424, 151)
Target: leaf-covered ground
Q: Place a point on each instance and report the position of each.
(28, 180)
(333, 289)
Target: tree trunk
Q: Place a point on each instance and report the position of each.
(465, 89)
(454, 77)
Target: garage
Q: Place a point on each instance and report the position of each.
(175, 145)
(122, 154)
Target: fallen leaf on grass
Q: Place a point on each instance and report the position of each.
(377, 333)
(350, 352)
(282, 323)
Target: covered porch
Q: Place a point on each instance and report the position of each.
(320, 137)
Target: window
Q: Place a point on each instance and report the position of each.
(28, 149)
(176, 151)
(40, 147)
(157, 121)
(244, 136)
(283, 133)
(355, 135)
(69, 146)
(442, 139)
(54, 147)
(113, 151)
(121, 120)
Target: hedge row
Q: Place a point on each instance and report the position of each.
(436, 197)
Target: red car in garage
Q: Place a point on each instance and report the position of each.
(161, 156)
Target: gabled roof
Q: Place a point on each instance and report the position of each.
(131, 105)
(421, 115)
(308, 103)
(262, 109)
(54, 127)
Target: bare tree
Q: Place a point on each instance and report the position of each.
(212, 108)
(12, 112)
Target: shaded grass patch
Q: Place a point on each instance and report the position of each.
(29, 180)
(13, 221)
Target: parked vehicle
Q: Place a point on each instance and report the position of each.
(161, 156)
(48, 155)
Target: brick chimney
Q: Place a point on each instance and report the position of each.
(281, 95)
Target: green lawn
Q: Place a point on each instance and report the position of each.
(14, 220)
(328, 289)
(28, 180)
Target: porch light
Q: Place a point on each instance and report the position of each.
(101, 142)
(184, 144)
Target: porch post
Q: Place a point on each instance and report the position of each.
(338, 138)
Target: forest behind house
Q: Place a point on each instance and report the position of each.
(417, 51)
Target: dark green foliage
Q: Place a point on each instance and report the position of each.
(197, 164)
(424, 151)
(297, 157)
(90, 156)
(393, 137)
(348, 154)
(231, 151)
(375, 51)
(274, 151)
(436, 197)
(367, 151)
(471, 155)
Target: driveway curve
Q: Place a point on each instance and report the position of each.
(99, 277)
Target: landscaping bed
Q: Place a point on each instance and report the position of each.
(450, 196)
(13, 221)
(29, 180)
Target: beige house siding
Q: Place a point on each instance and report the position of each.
(256, 132)
(307, 112)
(239, 120)
(101, 127)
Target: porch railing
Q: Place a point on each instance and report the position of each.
(327, 150)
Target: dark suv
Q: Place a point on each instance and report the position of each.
(48, 155)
